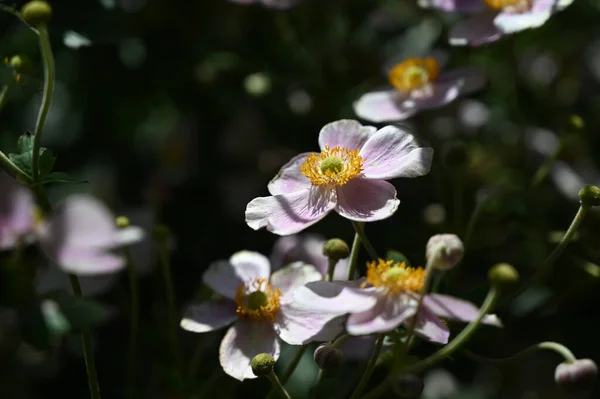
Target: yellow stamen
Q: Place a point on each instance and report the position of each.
(414, 73)
(332, 167)
(394, 277)
(514, 5)
(257, 300)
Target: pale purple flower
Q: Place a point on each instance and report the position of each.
(16, 213)
(260, 305)
(279, 4)
(495, 18)
(386, 299)
(81, 236)
(417, 85)
(348, 176)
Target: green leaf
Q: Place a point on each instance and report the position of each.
(397, 256)
(47, 160)
(79, 312)
(23, 161)
(59, 177)
(55, 319)
(25, 143)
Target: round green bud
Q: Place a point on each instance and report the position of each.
(336, 248)
(576, 377)
(122, 222)
(161, 233)
(503, 276)
(36, 13)
(590, 196)
(20, 64)
(408, 386)
(328, 357)
(332, 164)
(577, 121)
(455, 154)
(262, 364)
(257, 299)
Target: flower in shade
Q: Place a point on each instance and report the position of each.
(348, 175)
(388, 298)
(16, 213)
(495, 18)
(280, 4)
(417, 85)
(260, 305)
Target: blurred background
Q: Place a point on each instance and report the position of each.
(180, 112)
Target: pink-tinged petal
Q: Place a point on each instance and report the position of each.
(453, 308)
(129, 235)
(386, 315)
(382, 106)
(431, 327)
(290, 213)
(297, 326)
(243, 341)
(346, 133)
(280, 4)
(336, 297)
(86, 262)
(441, 94)
(16, 212)
(225, 276)
(209, 316)
(475, 31)
(472, 79)
(562, 4)
(289, 179)
(365, 200)
(392, 152)
(508, 22)
(466, 6)
(295, 275)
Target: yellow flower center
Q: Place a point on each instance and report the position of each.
(332, 167)
(394, 277)
(512, 5)
(414, 73)
(257, 300)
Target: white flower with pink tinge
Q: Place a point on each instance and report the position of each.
(262, 308)
(348, 175)
(387, 298)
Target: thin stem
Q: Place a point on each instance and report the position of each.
(9, 167)
(315, 390)
(134, 323)
(477, 212)
(331, 268)
(277, 386)
(292, 366)
(457, 343)
(369, 370)
(46, 51)
(358, 227)
(4, 93)
(88, 350)
(354, 257)
(340, 340)
(544, 168)
(553, 346)
(165, 262)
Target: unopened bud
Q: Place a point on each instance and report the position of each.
(328, 357)
(36, 13)
(503, 276)
(161, 233)
(445, 251)
(408, 386)
(590, 196)
(336, 249)
(577, 376)
(122, 222)
(20, 64)
(262, 364)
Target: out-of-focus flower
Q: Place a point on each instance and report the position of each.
(389, 297)
(417, 85)
(262, 308)
(577, 376)
(495, 18)
(280, 4)
(16, 212)
(348, 176)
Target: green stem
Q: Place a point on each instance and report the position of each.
(292, 366)
(331, 268)
(553, 346)
(369, 370)
(354, 257)
(4, 93)
(477, 212)
(88, 349)
(277, 386)
(457, 343)
(315, 390)
(358, 227)
(46, 51)
(9, 167)
(340, 340)
(165, 262)
(544, 168)
(134, 323)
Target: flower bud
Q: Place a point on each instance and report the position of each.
(161, 233)
(328, 357)
(336, 249)
(122, 222)
(577, 376)
(20, 64)
(590, 196)
(446, 250)
(262, 364)
(408, 386)
(36, 13)
(503, 276)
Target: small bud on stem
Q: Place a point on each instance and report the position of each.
(262, 364)
(36, 13)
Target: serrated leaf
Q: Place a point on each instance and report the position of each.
(25, 143)
(397, 256)
(79, 312)
(47, 160)
(23, 161)
(59, 177)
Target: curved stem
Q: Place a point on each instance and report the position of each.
(340, 340)
(358, 227)
(331, 268)
(479, 206)
(548, 345)
(88, 349)
(354, 257)
(9, 167)
(134, 323)
(369, 370)
(277, 386)
(4, 93)
(292, 366)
